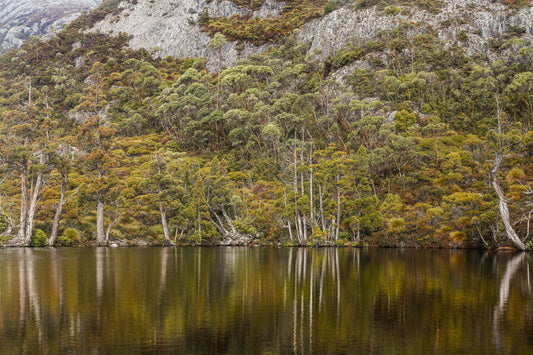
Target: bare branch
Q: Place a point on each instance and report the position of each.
(528, 190)
(67, 199)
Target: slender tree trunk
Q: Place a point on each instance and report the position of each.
(21, 236)
(297, 224)
(290, 229)
(311, 205)
(338, 209)
(296, 228)
(100, 233)
(321, 197)
(33, 207)
(301, 164)
(110, 226)
(59, 210)
(331, 230)
(164, 222)
(300, 229)
(304, 222)
(504, 209)
(199, 219)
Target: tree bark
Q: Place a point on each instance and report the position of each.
(33, 207)
(110, 226)
(338, 209)
(503, 207)
(311, 205)
(59, 210)
(164, 222)
(100, 233)
(21, 236)
(321, 200)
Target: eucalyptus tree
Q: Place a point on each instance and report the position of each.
(504, 139)
(95, 136)
(217, 43)
(25, 131)
(63, 159)
(162, 187)
(185, 110)
(225, 204)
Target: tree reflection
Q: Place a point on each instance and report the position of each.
(511, 270)
(257, 300)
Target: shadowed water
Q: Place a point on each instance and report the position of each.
(264, 300)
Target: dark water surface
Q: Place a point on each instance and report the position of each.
(264, 300)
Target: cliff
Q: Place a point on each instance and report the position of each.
(465, 23)
(172, 27)
(20, 19)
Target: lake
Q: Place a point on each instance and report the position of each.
(264, 300)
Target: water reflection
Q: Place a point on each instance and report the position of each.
(513, 265)
(260, 300)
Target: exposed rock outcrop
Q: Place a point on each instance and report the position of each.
(269, 9)
(170, 28)
(479, 19)
(20, 19)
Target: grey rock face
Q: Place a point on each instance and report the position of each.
(20, 19)
(269, 9)
(170, 28)
(480, 19)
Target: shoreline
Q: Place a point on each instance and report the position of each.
(144, 244)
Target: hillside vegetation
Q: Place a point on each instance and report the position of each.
(101, 143)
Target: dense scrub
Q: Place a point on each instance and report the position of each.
(257, 30)
(98, 142)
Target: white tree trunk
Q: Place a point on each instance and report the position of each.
(100, 233)
(321, 197)
(59, 210)
(311, 205)
(33, 207)
(21, 236)
(338, 209)
(166, 232)
(290, 229)
(110, 226)
(504, 209)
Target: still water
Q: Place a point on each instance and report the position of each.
(264, 300)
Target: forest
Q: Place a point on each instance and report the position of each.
(421, 145)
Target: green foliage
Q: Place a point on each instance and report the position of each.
(69, 237)
(390, 5)
(259, 31)
(4, 224)
(347, 57)
(404, 120)
(272, 149)
(517, 3)
(391, 10)
(38, 238)
(329, 7)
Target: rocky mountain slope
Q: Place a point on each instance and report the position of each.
(20, 19)
(172, 27)
(466, 23)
